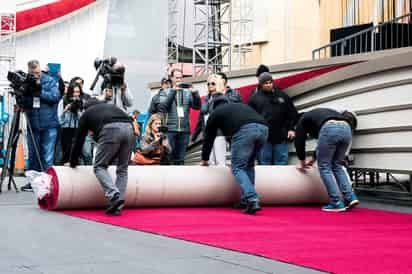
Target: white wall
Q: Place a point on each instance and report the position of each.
(74, 41)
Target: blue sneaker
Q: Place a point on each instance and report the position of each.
(334, 207)
(352, 202)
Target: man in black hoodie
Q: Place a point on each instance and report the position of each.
(112, 130)
(280, 113)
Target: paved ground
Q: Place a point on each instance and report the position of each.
(36, 241)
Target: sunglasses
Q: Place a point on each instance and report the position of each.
(211, 84)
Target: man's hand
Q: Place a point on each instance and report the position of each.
(291, 134)
(302, 166)
(73, 164)
(123, 87)
(204, 163)
(310, 162)
(67, 108)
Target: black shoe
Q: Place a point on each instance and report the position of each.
(27, 187)
(239, 205)
(252, 207)
(115, 204)
(116, 212)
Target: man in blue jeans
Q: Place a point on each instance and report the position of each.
(41, 109)
(334, 133)
(247, 131)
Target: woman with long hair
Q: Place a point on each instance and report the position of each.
(70, 109)
(155, 143)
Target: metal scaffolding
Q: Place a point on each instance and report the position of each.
(212, 36)
(242, 33)
(223, 35)
(7, 45)
(7, 63)
(172, 33)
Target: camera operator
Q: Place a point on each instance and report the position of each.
(69, 111)
(122, 99)
(40, 103)
(113, 80)
(155, 143)
(175, 107)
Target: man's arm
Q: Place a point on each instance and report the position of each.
(50, 92)
(300, 140)
(153, 108)
(209, 137)
(126, 96)
(195, 101)
(292, 113)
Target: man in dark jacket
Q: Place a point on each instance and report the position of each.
(247, 131)
(41, 110)
(160, 96)
(176, 111)
(112, 130)
(280, 113)
(232, 94)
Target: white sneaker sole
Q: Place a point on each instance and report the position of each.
(352, 204)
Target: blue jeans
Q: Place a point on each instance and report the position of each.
(333, 142)
(87, 151)
(178, 142)
(46, 142)
(246, 143)
(274, 154)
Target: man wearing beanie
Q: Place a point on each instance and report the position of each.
(280, 113)
(260, 69)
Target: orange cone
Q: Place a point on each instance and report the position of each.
(19, 167)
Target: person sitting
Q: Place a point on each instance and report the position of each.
(155, 144)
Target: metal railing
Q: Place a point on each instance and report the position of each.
(395, 33)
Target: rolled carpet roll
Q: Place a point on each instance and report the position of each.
(183, 186)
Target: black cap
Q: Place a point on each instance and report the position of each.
(261, 69)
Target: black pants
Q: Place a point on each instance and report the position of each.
(66, 138)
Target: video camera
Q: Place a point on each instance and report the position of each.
(24, 84)
(76, 104)
(163, 129)
(111, 71)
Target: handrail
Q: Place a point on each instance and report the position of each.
(343, 42)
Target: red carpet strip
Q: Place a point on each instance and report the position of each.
(361, 241)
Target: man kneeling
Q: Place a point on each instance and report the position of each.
(113, 131)
(248, 132)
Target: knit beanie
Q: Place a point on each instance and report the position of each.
(264, 77)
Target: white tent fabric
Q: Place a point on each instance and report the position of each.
(73, 41)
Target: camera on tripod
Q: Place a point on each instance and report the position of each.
(24, 84)
(111, 71)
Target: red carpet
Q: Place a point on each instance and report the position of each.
(361, 241)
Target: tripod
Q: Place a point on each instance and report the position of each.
(9, 160)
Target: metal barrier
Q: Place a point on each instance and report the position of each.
(396, 33)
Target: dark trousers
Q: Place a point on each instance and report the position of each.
(66, 139)
(178, 141)
(115, 144)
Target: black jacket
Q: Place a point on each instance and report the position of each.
(229, 118)
(279, 112)
(93, 119)
(310, 124)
